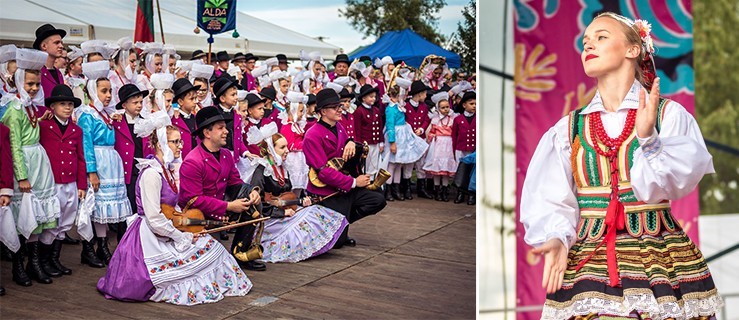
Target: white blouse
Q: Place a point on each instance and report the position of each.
(150, 184)
(667, 166)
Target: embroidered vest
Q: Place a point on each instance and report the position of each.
(592, 174)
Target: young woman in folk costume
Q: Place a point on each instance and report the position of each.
(385, 66)
(290, 236)
(104, 164)
(7, 71)
(153, 62)
(440, 161)
(281, 82)
(156, 262)
(434, 71)
(73, 76)
(293, 129)
(404, 146)
(126, 62)
(596, 203)
(35, 192)
(199, 76)
(317, 67)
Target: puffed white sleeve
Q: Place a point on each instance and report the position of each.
(549, 206)
(151, 186)
(669, 165)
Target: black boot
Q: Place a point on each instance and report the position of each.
(88, 256)
(471, 200)
(445, 193)
(122, 227)
(405, 189)
(19, 273)
(421, 189)
(103, 251)
(5, 253)
(69, 240)
(388, 196)
(395, 193)
(33, 268)
(45, 260)
(437, 193)
(56, 251)
(460, 196)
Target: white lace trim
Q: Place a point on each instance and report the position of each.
(645, 303)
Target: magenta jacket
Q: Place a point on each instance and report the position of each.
(463, 133)
(65, 152)
(185, 135)
(417, 117)
(48, 82)
(320, 145)
(205, 177)
(125, 146)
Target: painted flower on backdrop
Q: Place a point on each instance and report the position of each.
(532, 74)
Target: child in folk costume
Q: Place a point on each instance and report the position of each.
(74, 77)
(631, 260)
(7, 71)
(293, 129)
(311, 117)
(226, 94)
(128, 144)
(170, 57)
(104, 165)
(369, 126)
(290, 236)
(385, 66)
(440, 160)
(153, 62)
(417, 116)
(162, 96)
(157, 262)
(317, 67)
(35, 190)
(243, 105)
(255, 120)
(464, 139)
(199, 76)
(434, 74)
(185, 96)
(126, 62)
(62, 140)
(281, 82)
(9, 235)
(269, 94)
(405, 147)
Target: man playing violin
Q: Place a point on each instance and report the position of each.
(343, 193)
(208, 175)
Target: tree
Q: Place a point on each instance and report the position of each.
(716, 54)
(375, 17)
(464, 41)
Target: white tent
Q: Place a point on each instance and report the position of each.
(111, 20)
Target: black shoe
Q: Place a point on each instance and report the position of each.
(471, 200)
(45, 260)
(19, 273)
(70, 240)
(5, 253)
(88, 256)
(405, 189)
(122, 227)
(103, 252)
(33, 268)
(395, 193)
(388, 196)
(437, 193)
(224, 235)
(460, 196)
(421, 189)
(350, 242)
(56, 251)
(254, 265)
(2, 291)
(445, 193)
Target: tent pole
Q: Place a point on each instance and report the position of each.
(161, 27)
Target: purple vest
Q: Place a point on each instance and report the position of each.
(168, 195)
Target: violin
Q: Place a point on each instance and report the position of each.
(286, 200)
(354, 166)
(190, 219)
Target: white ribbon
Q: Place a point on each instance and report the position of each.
(156, 121)
(256, 135)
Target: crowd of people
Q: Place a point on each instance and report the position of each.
(115, 136)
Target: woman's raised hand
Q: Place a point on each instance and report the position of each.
(646, 115)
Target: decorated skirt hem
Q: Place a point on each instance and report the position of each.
(704, 304)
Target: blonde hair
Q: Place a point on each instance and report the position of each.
(154, 139)
(632, 37)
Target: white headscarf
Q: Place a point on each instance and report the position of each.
(265, 133)
(157, 121)
(28, 59)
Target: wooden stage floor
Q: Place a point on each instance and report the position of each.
(414, 260)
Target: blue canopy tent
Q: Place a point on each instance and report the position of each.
(408, 46)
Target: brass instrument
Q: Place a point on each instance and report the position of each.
(382, 177)
(353, 167)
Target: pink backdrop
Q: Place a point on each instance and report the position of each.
(550, 82)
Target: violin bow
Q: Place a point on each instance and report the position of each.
(231, 226)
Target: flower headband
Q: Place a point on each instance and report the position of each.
(644, 30)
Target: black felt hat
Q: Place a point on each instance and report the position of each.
(223, 83)
(269, 93)
(205, 117)
(281, 58)
(417, 87)
(365, 90)
(62, 92)
(341, 58)
(249, 56)
(44, 32)
(345, 94)
(197, 54)
(469, 95)
(311, 99)
(238, 56)
(128, 91)
(254, 99)
(181, 87)
(326, 98)
(365, 59)
(222, 56)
